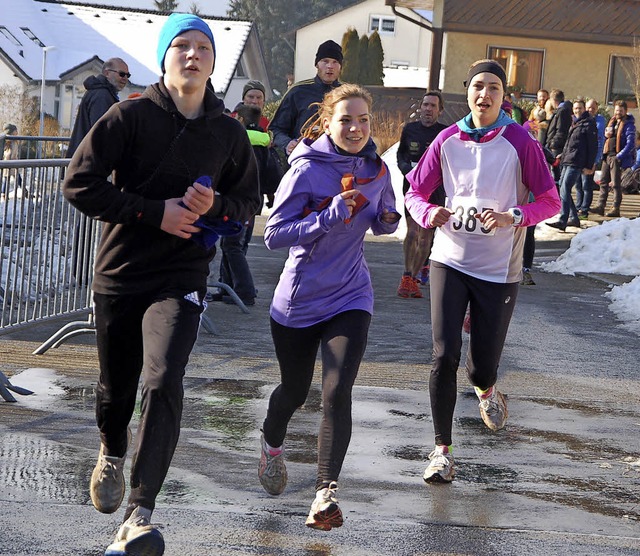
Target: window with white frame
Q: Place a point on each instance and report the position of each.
(523, 67)
(384, 24)
(623, 73)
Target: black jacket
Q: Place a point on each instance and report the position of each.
(414, 141)
(559, 128)
(582, 143)
(156, 154)
(100, 95)
(295, 109)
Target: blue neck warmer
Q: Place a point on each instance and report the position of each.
(476, 133)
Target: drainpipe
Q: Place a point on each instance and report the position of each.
(436, 45)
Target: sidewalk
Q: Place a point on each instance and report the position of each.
(630, 207)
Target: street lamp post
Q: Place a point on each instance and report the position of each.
(44, 71)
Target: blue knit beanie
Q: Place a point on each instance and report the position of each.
(177, 24)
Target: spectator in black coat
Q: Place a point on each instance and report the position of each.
(298, 104)
(578, 157)
(558, 128)
(102, 92)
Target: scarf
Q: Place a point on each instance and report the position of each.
(477, 133)
(608, 146)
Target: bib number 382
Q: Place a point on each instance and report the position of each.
(464, 218)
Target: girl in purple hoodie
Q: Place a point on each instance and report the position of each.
(336, 189)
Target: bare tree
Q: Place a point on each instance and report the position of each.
(11, 105)
(166, 5)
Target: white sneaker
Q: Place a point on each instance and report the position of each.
(441, 467)
(493, 410)
(325, 512)
(137, 537)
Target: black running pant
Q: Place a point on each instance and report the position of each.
(150, 335)
(491, 305)
(342, 341)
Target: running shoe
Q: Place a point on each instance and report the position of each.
(527, 280)
(272, 470)
(408, 287)
(107, 481)
(493, 410)
(137, 537)
(441, 467)
(325, 512)
(423, 275)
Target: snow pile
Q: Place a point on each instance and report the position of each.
(612, 248)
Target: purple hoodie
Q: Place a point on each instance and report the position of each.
(325, 273)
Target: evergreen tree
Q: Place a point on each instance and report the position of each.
(363, 68)
(166, 5)
(375, 59)
(276, 21)
(195, 9)
(350, 64)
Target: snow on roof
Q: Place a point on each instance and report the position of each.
(79, 32)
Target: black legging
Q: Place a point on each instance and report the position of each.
(343, 340)
(491, 306)
(529, 247)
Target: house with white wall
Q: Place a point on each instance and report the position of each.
(64, 43)
(406, 46)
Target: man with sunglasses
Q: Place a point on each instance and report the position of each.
(102, 92)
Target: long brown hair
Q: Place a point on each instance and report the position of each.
(312, 128)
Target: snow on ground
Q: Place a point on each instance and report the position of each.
(610, 248)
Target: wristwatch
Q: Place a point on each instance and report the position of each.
(517, 216)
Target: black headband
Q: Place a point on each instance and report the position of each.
(489, 67)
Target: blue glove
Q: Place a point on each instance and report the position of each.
(212, 229)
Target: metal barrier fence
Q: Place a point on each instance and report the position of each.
(48, 250)
(30, 147)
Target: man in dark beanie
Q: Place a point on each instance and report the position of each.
(295, 108)
(253, 85)
(253, 94)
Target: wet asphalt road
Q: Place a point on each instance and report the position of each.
(563, 478)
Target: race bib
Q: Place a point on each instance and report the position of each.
(463, 219)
